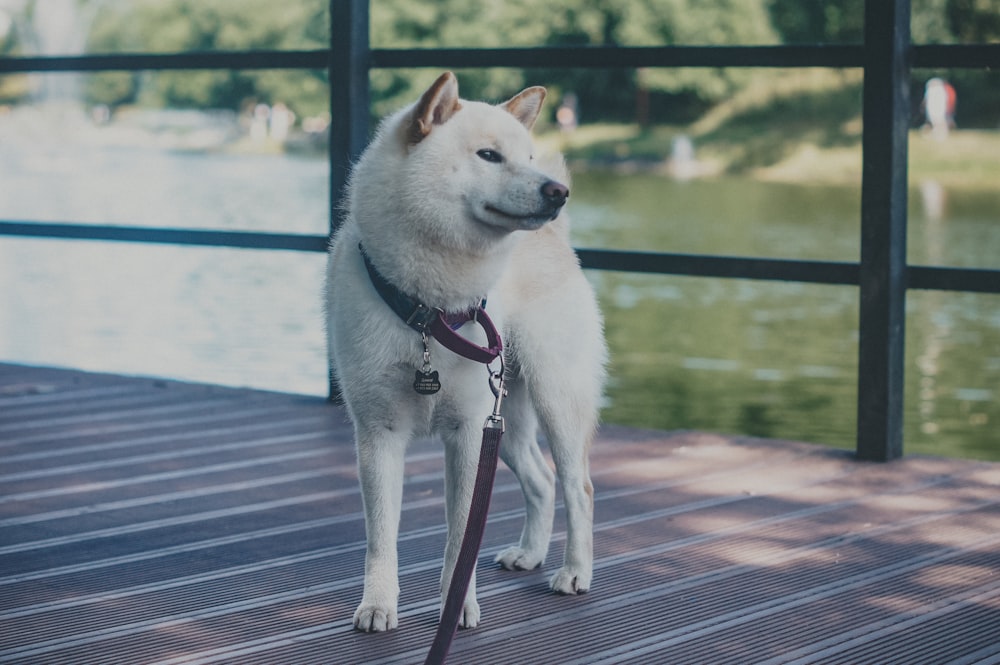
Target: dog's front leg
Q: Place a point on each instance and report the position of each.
(462, 444)
(381, 457)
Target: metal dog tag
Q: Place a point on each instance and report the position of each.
(426, 383)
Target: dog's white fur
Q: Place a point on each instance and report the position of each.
(447, 224)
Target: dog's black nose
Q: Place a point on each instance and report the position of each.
(555, 193)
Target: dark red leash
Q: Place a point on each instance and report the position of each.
(474, 528)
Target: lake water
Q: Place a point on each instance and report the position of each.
(761, 358)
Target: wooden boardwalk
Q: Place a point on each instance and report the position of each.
(147, 521)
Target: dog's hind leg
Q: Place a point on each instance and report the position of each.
(570, 445)
(565, 390)
(521, 453)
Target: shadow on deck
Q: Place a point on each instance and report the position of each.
(151, 521)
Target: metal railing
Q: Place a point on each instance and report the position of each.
(882, 275)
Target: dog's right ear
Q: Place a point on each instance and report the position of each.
(437, 105)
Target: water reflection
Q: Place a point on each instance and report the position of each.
(780, 359)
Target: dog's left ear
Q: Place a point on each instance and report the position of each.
(435, 107)
(526, 105)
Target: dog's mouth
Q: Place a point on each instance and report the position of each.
(527, 222)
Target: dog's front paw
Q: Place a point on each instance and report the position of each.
(469, 618)
(517, 558)
(570, 581)
(372, 618)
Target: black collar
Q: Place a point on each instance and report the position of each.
(414, 313)
(436, 322)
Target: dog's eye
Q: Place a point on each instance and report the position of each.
(490, 155)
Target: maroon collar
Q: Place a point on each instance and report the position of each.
(436, 322)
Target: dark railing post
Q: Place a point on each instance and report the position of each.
(349, 106)
(883, 229)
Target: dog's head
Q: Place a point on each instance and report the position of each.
(478, 159)
(446, 189)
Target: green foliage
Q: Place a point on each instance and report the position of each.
(671, 94)
(205, 25)
(812, 22)
(668, 22)
(974, 20)
(927, 22)
(186, 25)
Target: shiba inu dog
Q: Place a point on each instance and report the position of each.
(451, 212)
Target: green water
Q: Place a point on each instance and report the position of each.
(780, 359)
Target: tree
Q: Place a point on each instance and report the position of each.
(696, 22)
(974, 21)
(815, 22)
(195, 25)
(674, 94)
(603, 93)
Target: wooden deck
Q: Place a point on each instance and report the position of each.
(148, 521)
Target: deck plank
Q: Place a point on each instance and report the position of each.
(152, 521)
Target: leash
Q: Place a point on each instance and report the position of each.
(442, 326)
(475, 526)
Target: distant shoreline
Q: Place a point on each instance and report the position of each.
(966, 159)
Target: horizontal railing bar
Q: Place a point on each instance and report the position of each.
(662, 263)
(933, 278)
(839, 55)
(956, 55)
(694, 265)
(939, 278)
(546, 56)
(316, 59)
(818, 55)
(202, 237)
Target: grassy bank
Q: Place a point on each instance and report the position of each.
(798, 126)
(967, 158)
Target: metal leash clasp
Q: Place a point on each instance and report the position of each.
(495, 420)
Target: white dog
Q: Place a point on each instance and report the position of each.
(448, 209)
